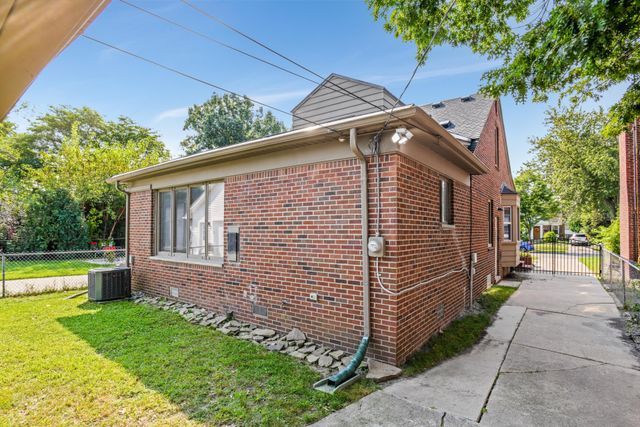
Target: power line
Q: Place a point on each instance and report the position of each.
(324, 79)
(197, 79)
(419, 62)
(213, 40)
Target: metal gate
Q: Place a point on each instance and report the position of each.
(560, 257)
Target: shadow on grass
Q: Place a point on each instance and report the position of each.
(213, 378)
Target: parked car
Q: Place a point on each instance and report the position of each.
(579, 239)
(526, 246)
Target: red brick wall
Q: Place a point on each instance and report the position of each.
(628, 249)
(300, 233)
(427, 250)
(485, 188)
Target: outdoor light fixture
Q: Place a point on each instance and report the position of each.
(401, 136)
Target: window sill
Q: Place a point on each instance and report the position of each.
(446, 226)
(207, 262)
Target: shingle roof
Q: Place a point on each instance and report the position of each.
(506, 190)
(466, 115)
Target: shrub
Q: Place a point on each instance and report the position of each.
(53, 221)
(550, 237)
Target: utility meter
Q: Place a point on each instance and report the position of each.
(376, 246)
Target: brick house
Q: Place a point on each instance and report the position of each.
(629, 187)
(276, 230)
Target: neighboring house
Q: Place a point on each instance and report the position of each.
(287, 219)
(629, 187)
(557, 225)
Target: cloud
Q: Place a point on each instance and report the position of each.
(175, 113)
(440, 72)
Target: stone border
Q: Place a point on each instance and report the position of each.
(295, 343)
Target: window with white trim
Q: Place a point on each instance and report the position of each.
(190, 222)
(507, 223)
(446, 201)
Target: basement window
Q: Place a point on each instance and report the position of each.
(446, 201)
(190, 222)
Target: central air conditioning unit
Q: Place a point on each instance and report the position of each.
(106, 284)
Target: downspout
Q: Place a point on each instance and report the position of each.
(126, 223)
(472, 268)
(348, 374)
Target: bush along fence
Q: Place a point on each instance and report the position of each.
(622, 278)
(38, 272)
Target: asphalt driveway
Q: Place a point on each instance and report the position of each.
(555, 355)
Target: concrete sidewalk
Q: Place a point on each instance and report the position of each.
(554, 356)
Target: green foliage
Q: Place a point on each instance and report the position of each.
(461, 334)
(609, 236)
(74, 149)
(226, 120)
(125, 364)
(53, 221)
(577, 48)
(536, 199)
(580, 164)
(550, 237)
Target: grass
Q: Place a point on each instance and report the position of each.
(592, 263)
(461, 334)
(70, 362)
(559, 247)
(36, 269)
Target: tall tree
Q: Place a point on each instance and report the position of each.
(82, 170)
(580, 163)
(226, 120)
(536, 199)
(578, 48)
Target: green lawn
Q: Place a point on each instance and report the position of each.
(35, 269)
(560, 247)
(70, 362)
(592, 263)
(461, 334)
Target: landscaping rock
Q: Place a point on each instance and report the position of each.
(380, 372)
(307, 350)
(266, 333)
(257, 338)
(325, 361)
(296, 335)
(219, 320)
(337, 355)
(244, 336)
(319, 351)
(298, 355)
(276, 346)
(234, 324)
(312, 358)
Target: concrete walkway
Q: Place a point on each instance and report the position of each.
(554, 356)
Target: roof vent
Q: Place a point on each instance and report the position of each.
(438, 105)
(446, 124)
(467, 98)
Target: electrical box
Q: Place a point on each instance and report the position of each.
(376, 246)
(233, 243)
(474, 257)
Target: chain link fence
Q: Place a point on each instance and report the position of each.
(622, 278)
(38, 272)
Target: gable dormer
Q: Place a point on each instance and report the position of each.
(333, 100)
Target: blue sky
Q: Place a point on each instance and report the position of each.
(326, 36)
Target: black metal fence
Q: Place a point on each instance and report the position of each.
(38, 272)
(560, 257)
(621, 277)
